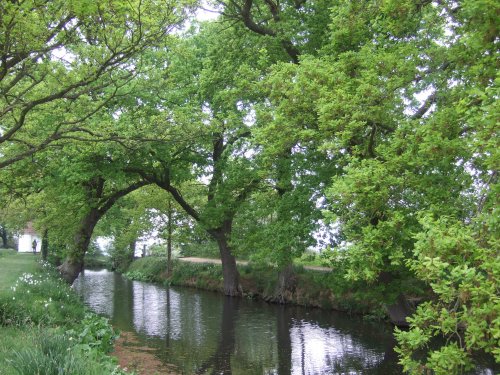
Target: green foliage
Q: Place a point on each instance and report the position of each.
(383, 114)
(201, 275)
(200, 247)
(98, 261)
(53, 353)
(35, 312)
(40, 299)
(464, 276)
(49, 354)
(310, 258)
(43, 99)
(94, 332)
(139, 276)
(147, 269)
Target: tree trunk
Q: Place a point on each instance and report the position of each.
(132, 247)
(70, 269)
(45, 244)
(3, 235)
(400, 310)
(286, 277)
(287, 281)
(230, 272)
(73, 264)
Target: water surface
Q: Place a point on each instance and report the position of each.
(202, 332)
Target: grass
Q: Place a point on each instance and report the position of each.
(44, 327)
(13, 265)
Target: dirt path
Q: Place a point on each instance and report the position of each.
(244, 263)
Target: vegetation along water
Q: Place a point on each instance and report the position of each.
(44, 326)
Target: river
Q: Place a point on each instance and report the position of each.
(199, 332)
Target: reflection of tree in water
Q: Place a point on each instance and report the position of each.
(220, 361)
(123, 301)
(283, 325)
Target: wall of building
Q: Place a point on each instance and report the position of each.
(25, 242)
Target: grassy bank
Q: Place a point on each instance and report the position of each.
(328, 290)
(44, 327)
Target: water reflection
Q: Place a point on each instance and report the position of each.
(98, 290)
(205, 333)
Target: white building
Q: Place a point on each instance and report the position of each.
(25, 240)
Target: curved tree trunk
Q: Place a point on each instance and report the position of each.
(73, 264)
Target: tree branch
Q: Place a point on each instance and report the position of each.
(111, 200)
(425, 107)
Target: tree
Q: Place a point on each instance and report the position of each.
(399, 93)
(76, 186)
(288, 30)
(205, 110)
(60, 58)
(388, 94)
(4, 236)
(145, 213)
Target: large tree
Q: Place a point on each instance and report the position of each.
(203, 113)
(61, 62)
(296, 171)
(76, 186)
(403, 95)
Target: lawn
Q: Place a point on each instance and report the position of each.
(13, 265)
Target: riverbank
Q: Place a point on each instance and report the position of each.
(44, 326)
(322, 288)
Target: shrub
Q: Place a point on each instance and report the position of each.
(138, 275)
(94, 332)
(147, 269)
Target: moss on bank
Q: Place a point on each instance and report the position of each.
(327, 290)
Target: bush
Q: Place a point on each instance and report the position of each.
(147, 269)
(206, 276)
(94, 332)
(137, 275)
(35, 310)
